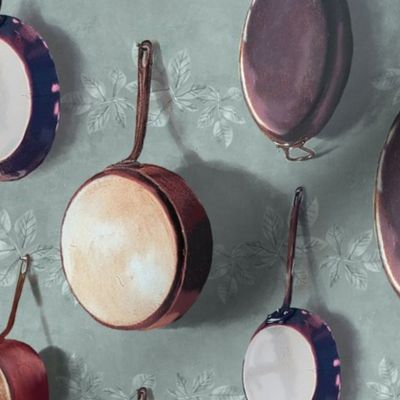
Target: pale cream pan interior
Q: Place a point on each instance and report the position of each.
(119, 250)
(279, 365)
(4, 388)
(16, 100)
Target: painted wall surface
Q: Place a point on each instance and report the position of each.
(201, 128)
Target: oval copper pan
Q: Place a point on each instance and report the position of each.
(295, 60)
(387, 203)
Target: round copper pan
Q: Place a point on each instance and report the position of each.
(34, 107)
(292, 354)
(115, 191)
(295, 61)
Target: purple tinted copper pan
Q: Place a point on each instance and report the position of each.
(295, 60)
(316, 376)
(44, 87)
(387, 201)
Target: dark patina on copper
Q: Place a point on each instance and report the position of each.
(191, 225)
(387, 200)
(295, 61)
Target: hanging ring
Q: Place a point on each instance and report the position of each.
(286, 149)
(294, 218)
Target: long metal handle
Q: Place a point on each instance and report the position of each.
(294, 218)
(25, 264)
(145, 62)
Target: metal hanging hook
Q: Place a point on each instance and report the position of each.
(25, 264)
(294, 218)
(145, 62)
(142, 394)
(309, 153)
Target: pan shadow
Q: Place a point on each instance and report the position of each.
(56, 362)
(67, 58)
(235, 201)
(346, 337)
(358, 102)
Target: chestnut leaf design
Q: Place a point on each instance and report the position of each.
(82, 384)
(171, 89)
(240, 266)
(389, 80)
(219, 114)
(99, 104)
(352, 259)
(19, 239)
(203, 387)
(138, 381)
(389, 388)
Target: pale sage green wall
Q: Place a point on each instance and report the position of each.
(243, 181)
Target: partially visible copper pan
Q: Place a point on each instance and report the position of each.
(136, 242)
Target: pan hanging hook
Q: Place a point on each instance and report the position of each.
(294, 218)
(25, 264)
(145, 62)
(309, 153)
(142, 394)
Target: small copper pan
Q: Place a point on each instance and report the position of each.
(136, 242)
(22, 373)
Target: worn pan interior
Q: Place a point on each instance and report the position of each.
(293, 359)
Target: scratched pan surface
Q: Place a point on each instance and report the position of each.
(387, 200)
(30, 99)
(295, 61)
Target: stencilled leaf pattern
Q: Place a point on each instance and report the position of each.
(389, 80)
(220, 114)
(239, 266)
(177, 90)
(203, 387)
(353, 259)
(138, 381)
(82, 384)
(18, 240)
(389, 388)
(232, 269)
(100, 104)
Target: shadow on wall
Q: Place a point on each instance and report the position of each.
(67, 58)
(345, 335)
(56, 362)
(235, 202)
(357, 103)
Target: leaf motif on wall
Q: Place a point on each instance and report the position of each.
(98, 105)
(82, 384)
(354, 259)
(17, 241)
(388, 389)
(203, 387)
(138, 381)
(219, 113)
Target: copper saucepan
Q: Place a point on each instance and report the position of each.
(136, 242)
